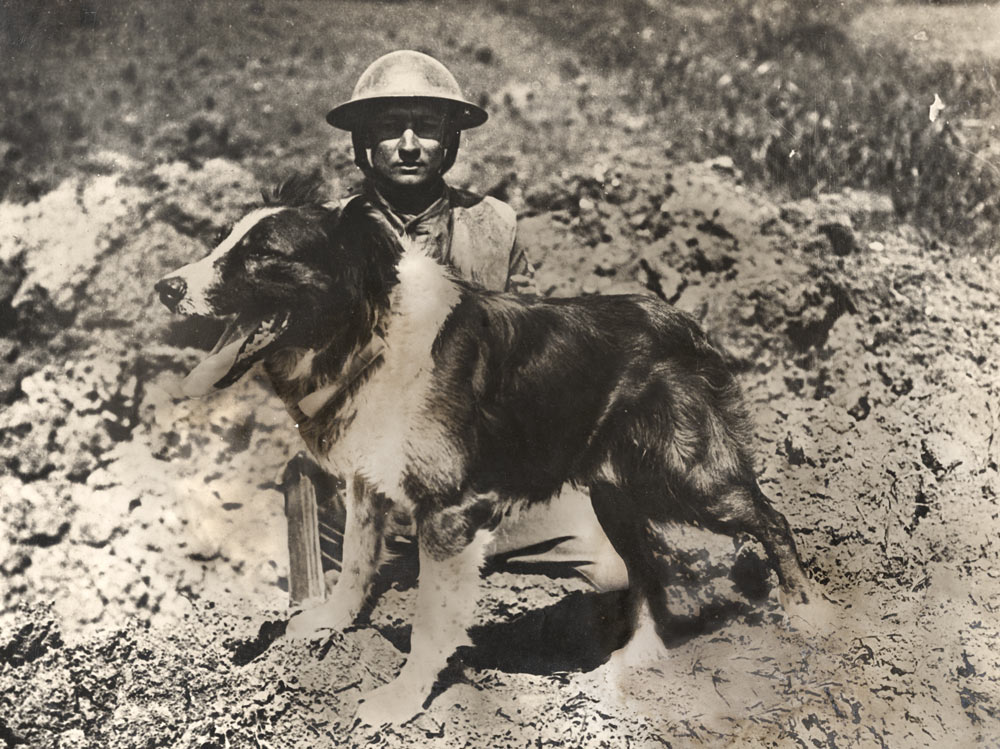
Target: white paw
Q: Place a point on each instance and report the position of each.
(818, 616)
(315, 623)
(394, 704)
(642, 650)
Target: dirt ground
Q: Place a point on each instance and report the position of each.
(143, 541)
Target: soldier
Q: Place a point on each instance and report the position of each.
(405, 117)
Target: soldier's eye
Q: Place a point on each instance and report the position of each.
(429, 127)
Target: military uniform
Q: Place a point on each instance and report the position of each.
(476, 235)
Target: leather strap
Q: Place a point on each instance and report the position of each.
(357, 366)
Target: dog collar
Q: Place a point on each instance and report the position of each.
(358, 365)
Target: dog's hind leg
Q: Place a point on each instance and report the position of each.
(363, 537)
(745, 508)
(452, 551)
(632, 536)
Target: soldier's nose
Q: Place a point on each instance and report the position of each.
(408, 143)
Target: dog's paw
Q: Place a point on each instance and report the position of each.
(817, 615)
(392, 704)
(318, 622)
(643, 649)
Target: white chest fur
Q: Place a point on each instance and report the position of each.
(391, 422)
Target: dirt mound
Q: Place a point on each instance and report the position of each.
(144, 544)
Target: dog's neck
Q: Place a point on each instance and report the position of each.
(308, 378)
(423, 299)
(398, 345)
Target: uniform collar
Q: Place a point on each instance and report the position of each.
(404, 223)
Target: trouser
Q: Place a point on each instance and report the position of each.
(560, 537)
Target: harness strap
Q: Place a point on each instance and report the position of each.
(357, 366)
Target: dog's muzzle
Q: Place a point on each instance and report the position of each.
(171, 291)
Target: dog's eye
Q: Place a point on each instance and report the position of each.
(223, 233)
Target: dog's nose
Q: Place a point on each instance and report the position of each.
(171, 291)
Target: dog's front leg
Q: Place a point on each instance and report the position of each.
(366, 512)
(451, 554)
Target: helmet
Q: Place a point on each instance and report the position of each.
(405, 74)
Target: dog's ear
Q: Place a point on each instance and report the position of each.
(364, 225)
(367, 231)
(297, 190)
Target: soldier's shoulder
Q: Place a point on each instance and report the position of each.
(504, 210)
(484, 205)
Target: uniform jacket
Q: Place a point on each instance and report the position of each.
(474, 234)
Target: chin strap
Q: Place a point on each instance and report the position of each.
(360, 152)
(450, 151)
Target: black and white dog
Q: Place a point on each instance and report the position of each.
(459, 404)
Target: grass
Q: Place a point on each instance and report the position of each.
(778, 85)
(781, 87)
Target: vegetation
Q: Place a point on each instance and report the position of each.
(780, 87)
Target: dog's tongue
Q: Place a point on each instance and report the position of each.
(241, 344)
(220, 360)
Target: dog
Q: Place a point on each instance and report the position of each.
(459, 404)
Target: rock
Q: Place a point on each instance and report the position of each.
(100, 514)
(795, 452)
(484, 55)
(860, 410)
(712, 259)
(799, 215)
(517, 96)
(724, 165)
(31, 642)
(42, 514)
(868, 211)
(662, 279)
(60, 255)
(74, 738)
(67, 417)
(841, 237)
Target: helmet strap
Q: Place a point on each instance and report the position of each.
(451, 142)
(361, 152)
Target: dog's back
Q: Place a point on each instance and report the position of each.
(541, 392)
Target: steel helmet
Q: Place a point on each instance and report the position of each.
(405, 74)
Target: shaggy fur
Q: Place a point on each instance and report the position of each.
(478, 402)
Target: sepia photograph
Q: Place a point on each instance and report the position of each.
(498, 373)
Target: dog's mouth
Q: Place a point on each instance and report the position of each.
(243, 343)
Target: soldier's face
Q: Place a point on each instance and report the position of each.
(406, 143)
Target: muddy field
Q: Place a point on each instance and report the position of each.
(142, 536)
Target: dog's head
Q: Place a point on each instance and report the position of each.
(292, 273)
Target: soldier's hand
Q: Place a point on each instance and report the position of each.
(522, 284)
